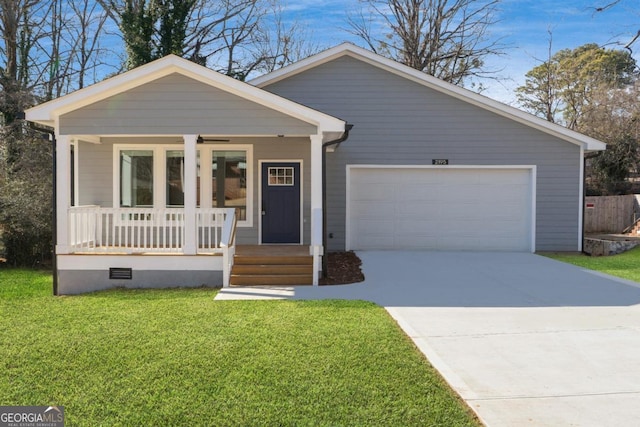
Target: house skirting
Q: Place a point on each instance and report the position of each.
(87, 273)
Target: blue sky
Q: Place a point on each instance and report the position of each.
(523, 27)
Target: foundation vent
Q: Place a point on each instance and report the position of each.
(120, 273)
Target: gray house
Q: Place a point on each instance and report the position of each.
(175, 168)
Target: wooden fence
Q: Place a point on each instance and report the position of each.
(609, 214)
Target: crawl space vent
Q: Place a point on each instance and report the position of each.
(120, 273)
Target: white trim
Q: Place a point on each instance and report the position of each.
(260, 178)
(531, 168)
(63, 192)
(582, 201)
(76, 165)
(173, 262)
(190, 153)
(348, 49)
(47, 113)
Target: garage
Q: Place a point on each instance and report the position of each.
(457, 208)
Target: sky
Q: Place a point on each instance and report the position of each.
(523, 27)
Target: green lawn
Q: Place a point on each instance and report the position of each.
(625, 265)
(179, 358)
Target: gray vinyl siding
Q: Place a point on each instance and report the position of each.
(400, 122)
(176, 105)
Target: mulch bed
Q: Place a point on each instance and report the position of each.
(343, 268)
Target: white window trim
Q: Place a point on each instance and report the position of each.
(160, 173)
(248, 148)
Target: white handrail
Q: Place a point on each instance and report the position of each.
(227, 244)
(98, 229)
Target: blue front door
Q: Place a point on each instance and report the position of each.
(281, 202)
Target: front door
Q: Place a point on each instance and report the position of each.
(281, 202)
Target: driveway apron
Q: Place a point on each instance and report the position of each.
(523, 339)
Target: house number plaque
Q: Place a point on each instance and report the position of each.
(439, 162)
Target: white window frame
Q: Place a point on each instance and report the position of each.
(206, 190)
(160, 173)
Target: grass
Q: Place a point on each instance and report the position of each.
(625, 265)
(177, 357)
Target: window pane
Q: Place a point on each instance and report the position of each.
(136, 178)
(229, 181)
(175, 178)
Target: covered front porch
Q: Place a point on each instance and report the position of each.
(174, 159)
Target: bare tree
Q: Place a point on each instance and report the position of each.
(279, 44)
(448, 39)
(608, 6)
(235, 37)
(89, 21)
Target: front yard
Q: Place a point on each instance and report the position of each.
(177, 357)
(625, 265)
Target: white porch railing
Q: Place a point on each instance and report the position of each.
(110, 230)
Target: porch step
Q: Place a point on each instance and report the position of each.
(272, 260)
(268, 269)
(256, 270)
(271, 279)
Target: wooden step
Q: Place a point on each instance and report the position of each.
(272, 260)
(265, 269)
(271, 279)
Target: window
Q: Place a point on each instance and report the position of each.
(148, 175)
(136, 178)
(175, 178)
(229, 181)
(281, 176)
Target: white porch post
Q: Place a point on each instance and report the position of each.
(316, 205)
(63, 192)
(190, 184)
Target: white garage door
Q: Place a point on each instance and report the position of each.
(486, 209)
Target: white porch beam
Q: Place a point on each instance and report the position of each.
(190, 200)
(63, 192)
(316, 204)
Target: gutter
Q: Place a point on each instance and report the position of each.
(54, 196)
(327, 144)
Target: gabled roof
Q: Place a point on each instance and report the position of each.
(49, 112)
(348, 49)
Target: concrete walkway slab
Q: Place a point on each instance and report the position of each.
(524, 339)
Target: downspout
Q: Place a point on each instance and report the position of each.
(587, 156)
(54, 197)
(327, 144)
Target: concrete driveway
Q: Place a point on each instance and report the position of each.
(523, 339)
